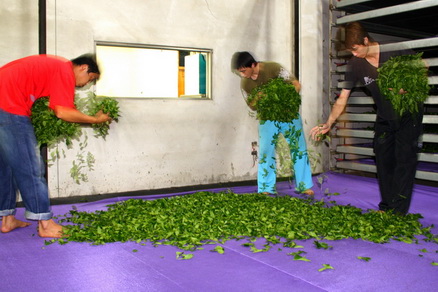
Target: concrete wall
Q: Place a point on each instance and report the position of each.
(170, 143)
(314, 73)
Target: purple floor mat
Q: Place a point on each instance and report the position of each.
(27, 264)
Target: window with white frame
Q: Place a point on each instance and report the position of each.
(145, 71)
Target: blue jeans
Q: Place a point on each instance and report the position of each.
(269, 132)
(21, 168)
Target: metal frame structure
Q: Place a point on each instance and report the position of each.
(352, 145)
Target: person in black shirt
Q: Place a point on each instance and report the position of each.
(396, 137)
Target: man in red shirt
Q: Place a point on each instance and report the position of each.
(21, 167)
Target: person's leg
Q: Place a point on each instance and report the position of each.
(267, 171)
(8, 197)
(8, 190)
(384, 150)
(298, 150)
(406, 153)
(21, 154)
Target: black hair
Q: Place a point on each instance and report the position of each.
(242, 60)
(87, 59)
(355, 34)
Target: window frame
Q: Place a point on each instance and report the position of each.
(207, 52)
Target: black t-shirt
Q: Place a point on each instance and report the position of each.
(359, 70)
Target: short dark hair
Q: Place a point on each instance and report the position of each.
(242, 60)
(355, 34)
(87, 59)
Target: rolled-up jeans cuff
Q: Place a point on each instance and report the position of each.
(7, 212)
(39, 216)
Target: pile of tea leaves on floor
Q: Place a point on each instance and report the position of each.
(191, 221)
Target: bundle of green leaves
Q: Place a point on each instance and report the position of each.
(407, 73)
(276, 100)
(50, 130)
(109, 106)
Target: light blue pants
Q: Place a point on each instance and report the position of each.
(269, 132)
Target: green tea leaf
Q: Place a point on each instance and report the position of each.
(219, 249)
(326, 267)
(298, 256)
(322, 245)
(183, 256)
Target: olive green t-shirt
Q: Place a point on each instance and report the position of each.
(268, 71)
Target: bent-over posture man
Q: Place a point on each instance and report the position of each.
(255, 74)
(21, 167)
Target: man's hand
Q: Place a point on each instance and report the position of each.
(317, 132)
(102, 117)
(72, 115)
(253, 103)
(401, 91)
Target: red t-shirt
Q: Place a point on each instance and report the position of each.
(24, 80)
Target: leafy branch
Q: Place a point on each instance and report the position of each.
(407, 73)
(50, 131)
(276, 100)
(109, 106)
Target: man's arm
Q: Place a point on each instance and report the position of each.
(337, 109)
(252, 104)
(74, 116)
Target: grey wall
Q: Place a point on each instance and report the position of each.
(172, 143)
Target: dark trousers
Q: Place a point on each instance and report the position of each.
(396, 149)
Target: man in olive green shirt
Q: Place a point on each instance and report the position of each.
(255, 74)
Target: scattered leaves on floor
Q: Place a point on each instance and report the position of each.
(192, 221)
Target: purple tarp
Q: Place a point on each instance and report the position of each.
(26, 264)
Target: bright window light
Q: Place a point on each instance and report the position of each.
(138, 71)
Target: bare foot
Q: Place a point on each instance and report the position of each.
(10, 223)
(49, 228)
(308, 192)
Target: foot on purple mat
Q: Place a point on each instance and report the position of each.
(308, 192)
